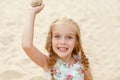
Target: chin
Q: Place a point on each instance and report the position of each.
(62, 54)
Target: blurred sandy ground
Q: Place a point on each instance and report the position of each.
(99, 21)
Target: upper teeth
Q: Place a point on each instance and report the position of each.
(62, 49)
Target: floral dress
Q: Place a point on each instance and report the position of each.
(66, 71)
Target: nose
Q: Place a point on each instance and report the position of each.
(62, 41)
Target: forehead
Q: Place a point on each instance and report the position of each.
(63, 29)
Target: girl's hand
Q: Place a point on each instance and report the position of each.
(37, 6)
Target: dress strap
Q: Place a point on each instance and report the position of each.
(76, 57)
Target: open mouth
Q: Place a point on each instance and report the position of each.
(62, 49)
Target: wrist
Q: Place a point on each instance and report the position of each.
(32, 13)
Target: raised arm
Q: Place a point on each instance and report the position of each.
(27, 39)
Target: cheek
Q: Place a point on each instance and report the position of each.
(54, 43)
(73, 43)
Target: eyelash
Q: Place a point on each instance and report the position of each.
(57, 36)
(67, 37)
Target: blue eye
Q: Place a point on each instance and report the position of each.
(69, 37)
(57, 36)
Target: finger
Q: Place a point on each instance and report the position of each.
(40, 7)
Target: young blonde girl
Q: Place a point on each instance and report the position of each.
(66, 60)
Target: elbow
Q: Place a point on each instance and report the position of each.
(27, 46)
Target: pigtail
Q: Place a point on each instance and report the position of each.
(52, 74)
(52, 77)
(84, 60)
(51, 62)
(85, 63)
(52, 56)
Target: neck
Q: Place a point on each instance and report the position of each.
(68, 59)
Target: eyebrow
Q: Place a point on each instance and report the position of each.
(67, 34)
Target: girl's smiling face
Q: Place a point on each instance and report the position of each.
(63, 40)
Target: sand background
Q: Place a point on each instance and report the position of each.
(99, 22)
